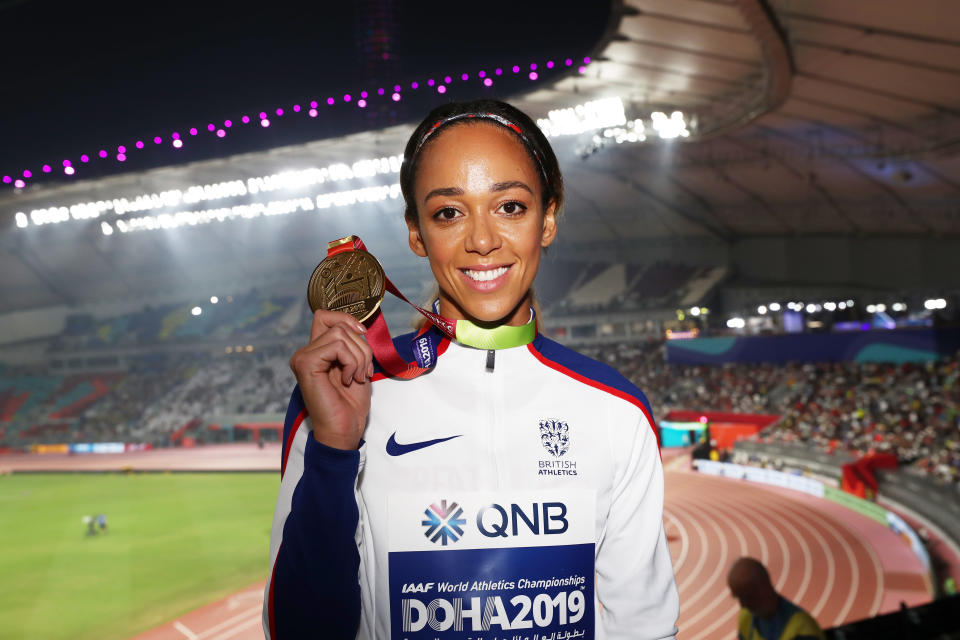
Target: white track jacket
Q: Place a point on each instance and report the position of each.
(522, 502)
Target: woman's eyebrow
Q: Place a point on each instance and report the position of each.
(495, 188)
(444, 191)
(510, 184)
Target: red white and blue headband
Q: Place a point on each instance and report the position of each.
(487, 116)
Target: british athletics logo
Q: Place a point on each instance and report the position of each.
(443, 522)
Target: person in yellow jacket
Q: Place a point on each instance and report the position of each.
(764, 613)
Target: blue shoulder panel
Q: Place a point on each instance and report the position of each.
(594, 370)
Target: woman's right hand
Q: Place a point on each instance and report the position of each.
(334, 372)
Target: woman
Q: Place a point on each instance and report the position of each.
(511, 492)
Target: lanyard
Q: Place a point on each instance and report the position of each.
(424, 346)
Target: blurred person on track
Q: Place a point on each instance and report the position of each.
(517, 485)
(764, 613)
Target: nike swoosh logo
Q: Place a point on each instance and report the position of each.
(394, 448)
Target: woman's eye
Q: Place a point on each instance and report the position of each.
(513, 208)
(447, 213)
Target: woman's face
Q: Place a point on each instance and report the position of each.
(480, 222)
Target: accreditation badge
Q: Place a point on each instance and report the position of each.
(492, 565)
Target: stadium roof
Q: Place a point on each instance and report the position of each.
(805, 119)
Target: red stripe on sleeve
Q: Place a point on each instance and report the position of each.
(597, 385)
(273, 579)
(289, 443)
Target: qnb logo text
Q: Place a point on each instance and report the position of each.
(444, 522)
(498, 521)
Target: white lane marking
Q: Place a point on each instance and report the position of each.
(720, 565)
(229, 621)
(722, 615)
(702, 556)
(232, 632)
(684, 545)
(182, 628)
(833, 525)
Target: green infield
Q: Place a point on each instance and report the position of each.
(173, 542)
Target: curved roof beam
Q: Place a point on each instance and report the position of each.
(778, 67)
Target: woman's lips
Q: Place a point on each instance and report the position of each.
(485, 278)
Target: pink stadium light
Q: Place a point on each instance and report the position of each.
(7, 179)
(28, 174)
(46, 168)
(67, 163)
(19, 184)
(362, 103)
(121, 157)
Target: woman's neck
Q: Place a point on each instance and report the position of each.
(517, 317)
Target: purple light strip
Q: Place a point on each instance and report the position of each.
(485, 79)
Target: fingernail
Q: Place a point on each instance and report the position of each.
(370, 370)
(361, 328)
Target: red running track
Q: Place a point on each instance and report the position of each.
(838, 565)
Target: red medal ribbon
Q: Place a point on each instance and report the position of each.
(378, 335)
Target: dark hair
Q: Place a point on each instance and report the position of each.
(455, 113)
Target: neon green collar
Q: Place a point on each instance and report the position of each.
(502, 337)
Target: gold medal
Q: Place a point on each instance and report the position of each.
(350, 281)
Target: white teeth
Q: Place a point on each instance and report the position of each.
(488, 274)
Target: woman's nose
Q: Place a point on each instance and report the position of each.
(482, 237)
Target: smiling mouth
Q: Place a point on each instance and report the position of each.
(485, 275)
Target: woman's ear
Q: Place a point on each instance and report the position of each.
(549, 226)
(414, 238)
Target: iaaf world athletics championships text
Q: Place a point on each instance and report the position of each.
(498, 585)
